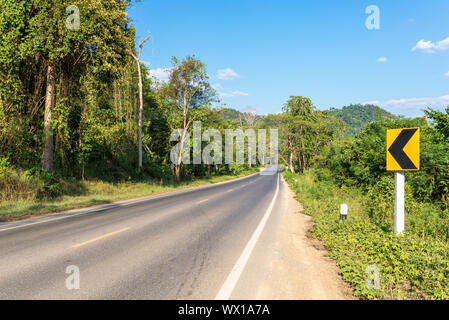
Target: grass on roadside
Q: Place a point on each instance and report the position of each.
(80, 194)
(411, 266)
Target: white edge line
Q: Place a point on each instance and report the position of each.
(95, 208)
(231, 281)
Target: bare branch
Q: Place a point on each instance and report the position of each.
(142, 43)
(145, 40)
(132, 54)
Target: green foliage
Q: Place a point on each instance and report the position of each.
(231, 114)
(31, 184)
(380, 203)
(46, 183)
(412, 266)
(357, 116)
(95, 113)
(361, 161)
(304, 131)
(94, 117)
(441, 121)
(352, 171)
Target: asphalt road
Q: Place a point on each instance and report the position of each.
(189, 244)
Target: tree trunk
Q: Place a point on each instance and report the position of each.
(178, 171)
(180, 154)
(48, 152)
(304, 164)
(140, 112)
(292, 169)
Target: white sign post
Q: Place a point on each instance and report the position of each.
(399, 202)
(343, 212)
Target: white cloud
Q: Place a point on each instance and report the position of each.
(447, 74)
(160, 74)
(221, 92)
(217, 86)
(382, 60)
(418, 102)
(227, 74)
(412, 106)
(233, 94)
(430, 47)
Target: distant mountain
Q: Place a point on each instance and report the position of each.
(230, 114)
(357, 116)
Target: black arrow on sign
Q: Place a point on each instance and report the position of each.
(397, 149)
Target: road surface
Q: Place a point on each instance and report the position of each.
(203, 243)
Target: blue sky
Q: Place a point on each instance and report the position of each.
(258, 53)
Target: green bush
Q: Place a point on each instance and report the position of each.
(47, 184)
(380, 202)
(412, 266)
(31, 184)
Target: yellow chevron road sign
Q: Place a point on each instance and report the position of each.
(403, 149)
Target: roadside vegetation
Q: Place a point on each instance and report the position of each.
(82, 123)
(352, 171)
(26, 196)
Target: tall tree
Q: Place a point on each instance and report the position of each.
(440, 121)
(306, 131)
(139, 71)
(44, 35)
(188, 92)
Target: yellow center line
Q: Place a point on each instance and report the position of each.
(99, 238)
(202, 201)
(230, 190)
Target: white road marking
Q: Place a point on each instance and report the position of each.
(228, 286)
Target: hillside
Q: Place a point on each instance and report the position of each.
(357, 116)
(229, 114)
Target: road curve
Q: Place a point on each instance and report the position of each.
(181, 245)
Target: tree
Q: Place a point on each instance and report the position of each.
(440, 120)
(188, 92)
(42, 38)
(300, 113)
(251, 116)
(139, 70)
(305, 131)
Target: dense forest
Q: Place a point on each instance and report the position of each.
(357, 116)
(69, 99)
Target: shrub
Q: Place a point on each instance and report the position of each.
(380, 202)
(412, 266)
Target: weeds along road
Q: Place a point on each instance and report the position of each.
(204, 243)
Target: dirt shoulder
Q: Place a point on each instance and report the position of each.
(299, 269)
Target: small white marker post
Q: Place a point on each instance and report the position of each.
(399, 202)
(343, 212)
